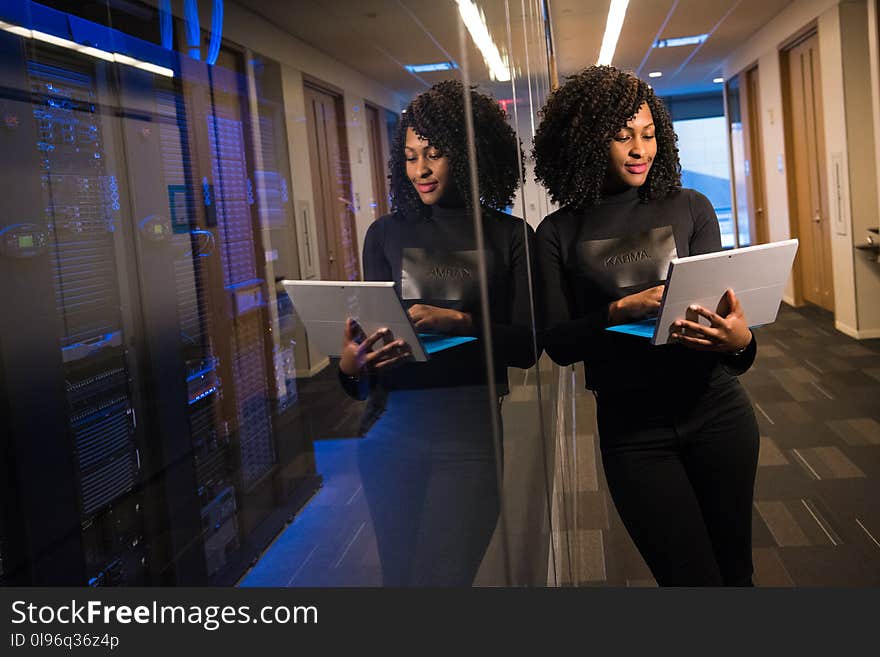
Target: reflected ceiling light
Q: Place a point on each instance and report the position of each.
(717, 80)
(146, 66)
(54, 40)
(15, 29)
(655, 74)
(95, 52)
(429, 68)
(616, 14)
(119, 58)
(695, 40)
(475, 22)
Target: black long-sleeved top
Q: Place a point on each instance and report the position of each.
(433, 260)
(619, 247)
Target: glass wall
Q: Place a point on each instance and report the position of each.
(149, 188)
(172, 413)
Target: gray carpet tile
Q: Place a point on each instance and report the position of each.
(823, 508)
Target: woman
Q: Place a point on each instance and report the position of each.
(677, 432)
(428, 465)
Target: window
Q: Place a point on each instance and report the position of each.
(705, 166)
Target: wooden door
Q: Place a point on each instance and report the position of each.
(378, 160)
(755, 169)
(808, 197)
(331, 181)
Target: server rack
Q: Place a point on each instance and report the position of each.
(74, 229)
(160, 406)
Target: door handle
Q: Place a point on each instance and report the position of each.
(817, 218)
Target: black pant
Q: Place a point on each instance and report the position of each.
(428, 469)
(681, 470)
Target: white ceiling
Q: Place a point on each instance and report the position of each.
(376, 37)
(579, 27)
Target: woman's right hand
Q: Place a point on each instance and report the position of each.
(358, 355)
(636, 306)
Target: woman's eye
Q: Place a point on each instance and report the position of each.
(410, 159)
(647, 136)
(621, 138)
(435, 156)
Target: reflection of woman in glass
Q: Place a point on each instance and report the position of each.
(428, 465)
(677, 431)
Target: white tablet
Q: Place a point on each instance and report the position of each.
(757, 274)
(325, 306)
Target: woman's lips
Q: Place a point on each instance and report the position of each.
(426, 188)
(637, 168)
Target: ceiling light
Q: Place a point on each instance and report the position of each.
(717, 80)
(655, 74)
(476, 24)
(695, 40)
(95, 52)
(616, 14)
(146, 66)
(86, 50)
(429, 68)
(15, 29)
(54, 40)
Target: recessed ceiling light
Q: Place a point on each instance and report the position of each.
(695, 40)
(655, 74)
(718, 80)
(428, 68)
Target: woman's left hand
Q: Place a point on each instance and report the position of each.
(728, 331)
(439, 320)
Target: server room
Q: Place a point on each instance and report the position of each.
(175, 173)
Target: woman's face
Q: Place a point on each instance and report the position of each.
(427, 168)
(632, 152)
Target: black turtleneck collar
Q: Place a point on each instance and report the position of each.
(626, 196)
(440, 212)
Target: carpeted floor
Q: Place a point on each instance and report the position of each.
(817, 500)
(816, 518)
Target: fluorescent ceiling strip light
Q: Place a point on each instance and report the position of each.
(97, 53)
(54, 40)
(718, 80)
(616, 14)
(476, 25)
(146, 66)
(655, 74)
(15, 29)
(681, 41)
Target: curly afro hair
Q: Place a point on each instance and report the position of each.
(437, 115)
(578, 123)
